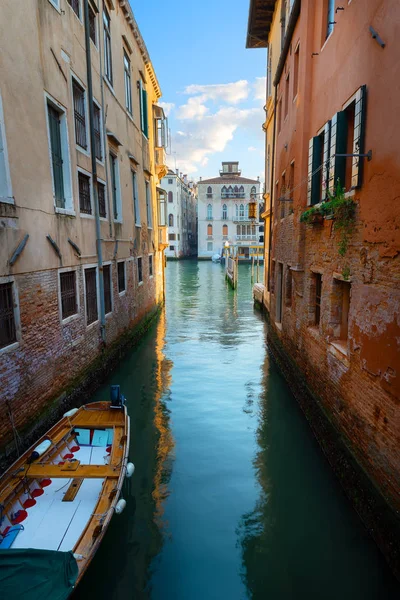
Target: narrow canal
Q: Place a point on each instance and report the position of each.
(232, 497)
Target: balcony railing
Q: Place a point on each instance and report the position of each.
(209, 195)
(252, 237)
(160, 162)
(233, 195)
(209, 218)
(162, 236)
(237, 219)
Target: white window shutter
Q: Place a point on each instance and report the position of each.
(358, 144)
(325, 166)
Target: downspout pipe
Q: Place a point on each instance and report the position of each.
(272, 190)
(94, 172)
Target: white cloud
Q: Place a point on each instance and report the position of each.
(231, 93)
(168, 107)
(252, 149)
(194, 109)
(260, 88)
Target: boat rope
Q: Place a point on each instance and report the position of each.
(17, 437)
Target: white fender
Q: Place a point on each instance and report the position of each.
(71, 412)
(45, 445)
(130, 469)
(120, 506)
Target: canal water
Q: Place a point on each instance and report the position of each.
(231, 497)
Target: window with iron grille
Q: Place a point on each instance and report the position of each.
(139, 269)
(107, 288)
(148, 206)
(101, 196)
(121, 277)
(69, 304)
(56, 155)
(150, 265)
(79, 114)
(113, 172)
(97, 132)
(85, 205)
(92, 25)
(91, 295)
(107, 45)
(318, 289)
(75, 5)
(127, 78)
(8, 334)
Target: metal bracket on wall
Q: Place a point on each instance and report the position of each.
(55, 247)
(368, 155)
(377, 37)
(18, 251)
(75, 247)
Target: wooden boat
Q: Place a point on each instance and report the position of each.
(57, 500)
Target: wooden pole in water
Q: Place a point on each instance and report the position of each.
(258, 264)
(252, 268)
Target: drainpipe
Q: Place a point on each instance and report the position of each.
(94, 172)
(272, 191)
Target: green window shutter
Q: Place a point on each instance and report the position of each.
(56, 156)
(359, 133)
(325, 166)
(314, 179)
(145, 119)
(141, 105)
(337, 169)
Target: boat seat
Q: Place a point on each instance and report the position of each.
(100, 437)
(83, 436)
(7, 541)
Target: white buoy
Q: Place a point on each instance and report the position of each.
(120, 506)
(41, 449)
(78, 556)
(130, 469)
(71, 412)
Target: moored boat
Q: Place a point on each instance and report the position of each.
(57, 500)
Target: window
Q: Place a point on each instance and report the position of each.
(225, 231)
(296, 72)
(69, 301)
(75, 5)
(85, 205)
(172, 237)
(127, 78)
(340, 309)
(280, 115)
(279, 285)
(291, 182)
(171, 249)
(268, 182)
(150, 265)
(209, 191)
(107, 289)
(330, 17)
(91, 295)
(107, 46)
(224, 212)
(318, 165)
(170, 197)
(209, 230)
(170, 181)
(209, 211)
(209, 246)
(253, 191)
(241, 211)
(8, 331)
(143, 110)
(58, 147)
(287, 86)
(148, 206)
(136, 205)
(139, 269)
(101, 197)
(170, 220)
(121, 276)
(98, 146)
(317, 302)
(5, 181)
(114, 179)
(282, 197)
(92, 25)
(79, 114)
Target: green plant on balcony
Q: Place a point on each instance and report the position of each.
(339, 208)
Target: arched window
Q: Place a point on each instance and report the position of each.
(223, 191)
(209, 190)
(236, 189)
(238, 229)
(225, 231)
(247, 211)
(209, 211)
(236, 210)
(253, 191)
(241, 189)
(170, 220)
(209, 230)
(230, 190)
(241, 211)
(224, 212)
(170, 197)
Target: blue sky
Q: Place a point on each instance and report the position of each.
(213, 88)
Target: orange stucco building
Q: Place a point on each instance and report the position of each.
(332, 288)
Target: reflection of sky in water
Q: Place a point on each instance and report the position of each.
(233, 496)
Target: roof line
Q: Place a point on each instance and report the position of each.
(294, 15)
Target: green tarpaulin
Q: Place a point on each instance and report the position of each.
(29, 574)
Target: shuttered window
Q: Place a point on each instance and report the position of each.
(127, 78)
(79, 114)
(97, 132)
(85, 205)
(75, 5)
(113, 173)
(359, 134)
(56, 155)
(338, 143)
(139, 269)
(107, 288)
(121, 277)
(314, 173)
(136, 204)
(92, 25)
(91, 295)
(8, 333)
(148, 206)
(107, 46)
(101, 196)
(150, 265)
(143, 111)
(69, 303)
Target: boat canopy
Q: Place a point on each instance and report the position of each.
(29, 574)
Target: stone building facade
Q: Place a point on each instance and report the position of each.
(334, 305)
(181, 197)
(56, 317)
(224, 214)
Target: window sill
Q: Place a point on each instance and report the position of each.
(104, 219)
(82, 150)
(140, 283)
(138, 225)
(101, 163)
(338, 349)
(109, 85)
(69, 319)
(327, 40)
(109, 314)
(91, 325)
(65, 211)
(129, 115)
(123, 293)
(314, 331)
(55, 6)
(7, 200)
(118, 221)
(86, 216)
(278, 326)
(9, 348)
(295, 98)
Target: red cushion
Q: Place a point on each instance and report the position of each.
(75, 448)
(68, 456)
(37, 492)
(45, 482)
(29, 502)
(108, 449)
(19, 516)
